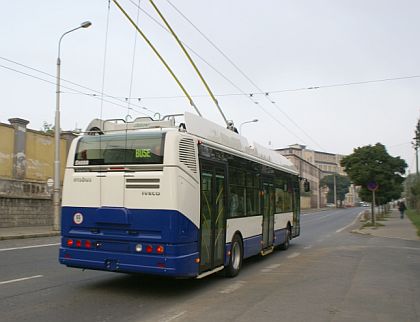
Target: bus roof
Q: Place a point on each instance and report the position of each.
(213, 132)
(201, 128)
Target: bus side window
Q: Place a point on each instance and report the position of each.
(234, 204)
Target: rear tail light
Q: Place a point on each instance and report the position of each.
(160, 249)
(70, 242)
(88, 244)
(149, 249)
(78, 243)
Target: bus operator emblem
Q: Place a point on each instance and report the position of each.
(78, 218)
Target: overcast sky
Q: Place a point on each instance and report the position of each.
(338, 74)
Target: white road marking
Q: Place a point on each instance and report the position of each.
(173, 317)
(293, 255)
(232, 288)
(273, 266)
(27, 247)
(321, 217)
(270, 268)
(349, 225)
(21, 279)
(307, 247)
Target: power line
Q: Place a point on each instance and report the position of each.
(299, 89)
(266, 94)
(72, 89)
(97, 93)
(241, 72)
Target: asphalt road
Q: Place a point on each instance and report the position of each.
(328, 274)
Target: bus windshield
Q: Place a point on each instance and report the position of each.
(133, 148)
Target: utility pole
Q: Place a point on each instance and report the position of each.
(416, 146)
(335, 190)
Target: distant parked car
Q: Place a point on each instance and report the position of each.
(365, 204)
(330, 205)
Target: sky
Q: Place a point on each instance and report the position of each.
(332, 75)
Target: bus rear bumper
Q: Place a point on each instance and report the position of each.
(174, 266)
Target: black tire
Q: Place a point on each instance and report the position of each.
(286, 242)
(236, 257)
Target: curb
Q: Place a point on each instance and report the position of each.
(51, 234)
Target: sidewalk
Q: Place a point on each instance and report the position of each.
(394, 227)
(27, 232)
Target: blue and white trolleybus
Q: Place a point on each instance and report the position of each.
(184, 201)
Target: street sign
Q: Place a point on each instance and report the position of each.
(50, 183)
(372, 186)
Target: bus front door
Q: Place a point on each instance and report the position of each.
(268, 215)
(212, 216)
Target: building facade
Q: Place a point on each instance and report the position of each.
(314, 165)
(316, 198)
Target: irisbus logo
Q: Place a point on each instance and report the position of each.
(82, 179)
(150, 193)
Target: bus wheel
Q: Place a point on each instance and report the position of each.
(286, 243)
(236, 257)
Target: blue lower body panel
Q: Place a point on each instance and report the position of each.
(179, 266)
(253, 245)
(279, 236)
(109, 238)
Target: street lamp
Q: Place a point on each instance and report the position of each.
(240, 126)
(57, 184)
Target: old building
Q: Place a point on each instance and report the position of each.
(26, 171)
(314, 165)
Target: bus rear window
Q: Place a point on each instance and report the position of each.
(110, 149)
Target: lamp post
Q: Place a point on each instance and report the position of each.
(57, 183)
(240, 126)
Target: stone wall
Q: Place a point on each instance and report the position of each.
(21, 212)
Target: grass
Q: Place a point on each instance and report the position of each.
(366, 219)
(369, 224)
(414, 216)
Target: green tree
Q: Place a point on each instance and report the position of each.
(373, 164)
(412, 191)
(342, 184)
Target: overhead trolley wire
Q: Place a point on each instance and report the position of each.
(191, 62)
(132, 63)
(159, 56)
(105, 57)
(196, 54)
(218, 72)
(241, 72)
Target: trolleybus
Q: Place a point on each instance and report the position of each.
(153, 197)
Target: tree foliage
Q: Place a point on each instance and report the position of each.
(342, 184)
(373, 164)
(412, 190)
